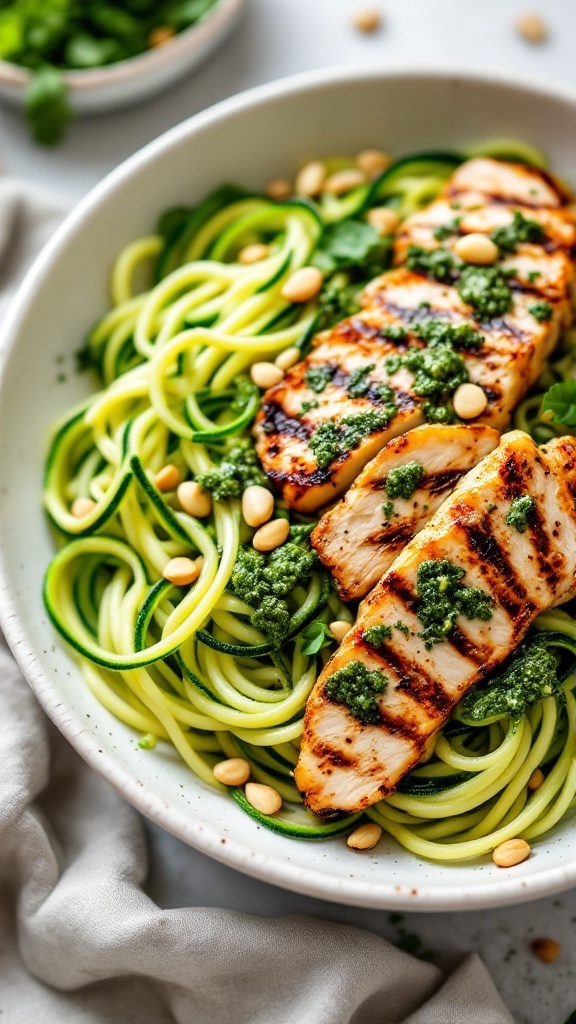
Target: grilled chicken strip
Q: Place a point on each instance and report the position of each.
(345, 763)
(361, 536)
(343, 375)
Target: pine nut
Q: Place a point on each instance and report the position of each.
(547, 950)
(383, 220)
(160, 35)
(82, 507)
(532, 27)
(278, 188)
(364, 837)
(289, 357)
(253, 253)
(265, 375)
(344, 181)
(271, 535)
(476, 248)
(310, 179)
(339, 629)
(536, 779)
(257, 505)
(168, 478)
(302, 285)
(367, 19)
(510, 853)
(469, 401)
(181, 571)
(264, 798)
(233, 772)
(194, 499)
(372, 162)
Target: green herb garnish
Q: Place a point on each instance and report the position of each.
(356, 687)
(443, 598)
(519, 512)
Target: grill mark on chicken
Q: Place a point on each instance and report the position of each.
(425, 690)
(483, 543)
(276, 421)
(392, 534)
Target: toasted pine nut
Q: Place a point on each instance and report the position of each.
(344, 181)
(257, 505)
(302, 285)
(160, 35)
(532, 27)
(194, 499)
(339, 629)
(233, 772)
(82, 507)
(265, 375)
(372, 162)
(510, 853)
(288, 357)
(476, 248)
(367, 19)
(279, 188)
(547, 950)
(469, 401)
(264, 798)
(383, 220)
(364, 837)
(310, 179)
(271, 535)
(253, 253)
(181, 571)
(168, 478)
(536, 779)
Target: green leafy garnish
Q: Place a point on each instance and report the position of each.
(560, 399)
(46, 104)
(352, 244)
(315, 637)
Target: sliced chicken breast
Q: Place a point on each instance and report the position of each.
(319, 397)
(347, 763)
(361, 536)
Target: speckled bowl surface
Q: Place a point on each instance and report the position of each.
(132, 81)
(259, 135)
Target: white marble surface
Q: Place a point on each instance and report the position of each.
(279, 37)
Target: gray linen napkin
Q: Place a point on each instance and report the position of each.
(81, 942)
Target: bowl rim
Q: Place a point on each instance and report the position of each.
(16, 76)
(236, 853)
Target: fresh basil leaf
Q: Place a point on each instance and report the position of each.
(316, 635)
(560, 399)
(350, 243)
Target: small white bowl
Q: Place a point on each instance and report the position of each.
(129, 81)
(253, 137)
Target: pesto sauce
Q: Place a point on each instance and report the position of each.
(443, 597)
(265, 580)
(319, 376)
(237, 471)
(439, 262)
(522, 229)
(359, 382)
(530, 676)
(332, 440)
(356, 687)
(541, 311)
(402, 481)
(486, 290)
(388, 509)
(520, 510)
(376, 636)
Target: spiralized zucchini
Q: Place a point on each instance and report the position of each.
(187, 665)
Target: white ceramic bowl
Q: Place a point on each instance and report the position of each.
(259, 135)
(130, 81)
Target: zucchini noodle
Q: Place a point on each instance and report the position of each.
(186, 665)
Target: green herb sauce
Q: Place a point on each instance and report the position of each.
(530, 676)
(376, 636)
(356, 687)
(519, 512)
(319, 376)
(263, 581)
(402, 481)
(522, 229)
(333, 439)
(486, 290)
(541, 311)
(237, 471)
(443, 597)
(359, 381)
(439, 263)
